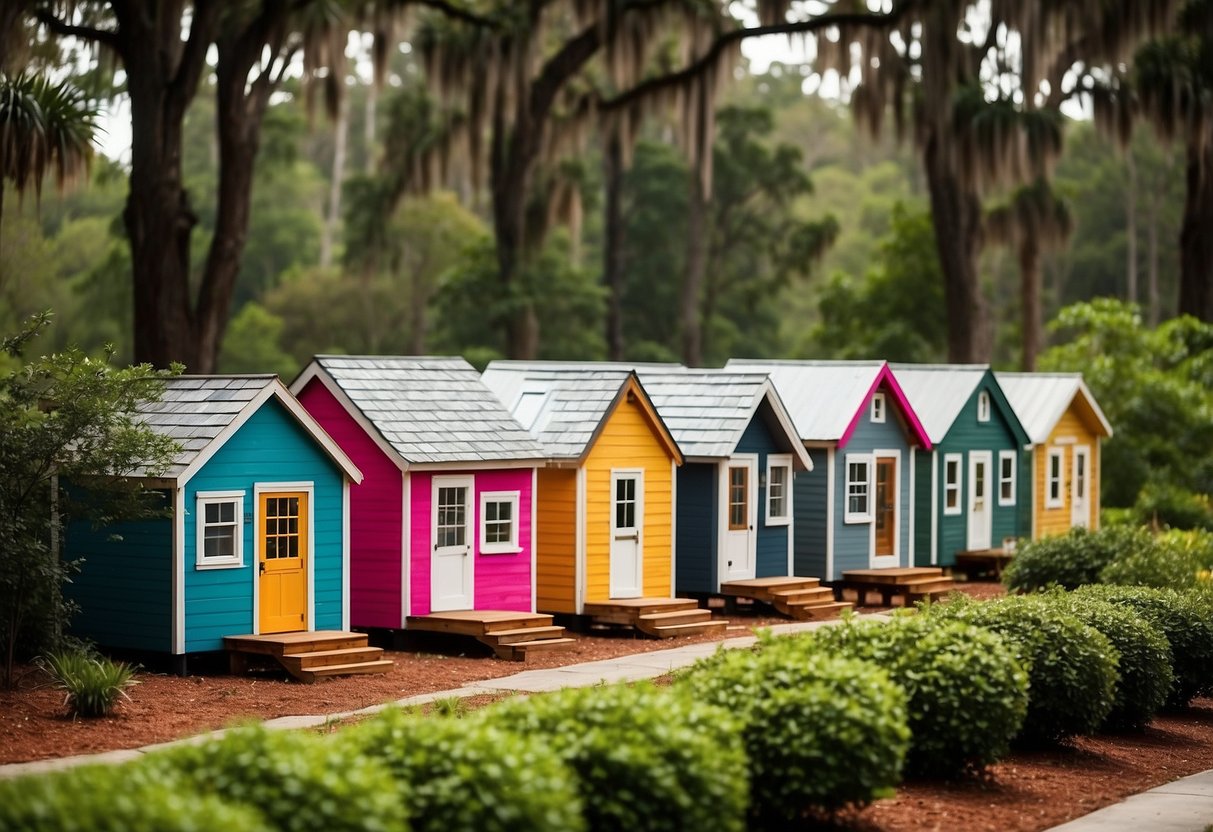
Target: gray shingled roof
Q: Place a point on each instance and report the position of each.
(938, 392)
(822, 396)
(1040, 399)
(430, 409)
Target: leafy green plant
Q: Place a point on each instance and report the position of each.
(967, 694)
(821, 732)
(1165, 504)
(1177, 559)
(300, 782)
(92, 685)
(644, 758)
(1072, 668)
(452, 706)
(469, 775)
(1073, 559)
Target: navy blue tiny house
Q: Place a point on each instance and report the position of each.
(257, 541)
(855, 510)
(735, 495)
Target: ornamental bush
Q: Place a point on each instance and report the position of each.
(967, 694)
(1146, 674)
(1073, 559)
(117, 799)
(821, 732)
(468, 775)
(1177, 560)
(644, 758)
(92, 685)
(1184, 619)
(300, 782)
(1072, 668)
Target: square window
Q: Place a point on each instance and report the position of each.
(220, 529)
(499, 522)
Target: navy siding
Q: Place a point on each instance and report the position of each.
(772, 544)
(695, 558)
(810, 490)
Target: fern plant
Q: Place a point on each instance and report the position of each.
(92, 685)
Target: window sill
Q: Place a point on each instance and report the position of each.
(211, 565)
(857, 519)
(778, 521)
(500, 550)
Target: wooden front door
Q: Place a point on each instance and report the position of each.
(1080, 487)
(885, 512)
(627, 525)
(981, 514)
(282, 528)
(452, 564)
(741, 512)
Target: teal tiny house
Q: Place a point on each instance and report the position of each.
(969, 492)
(257, 537)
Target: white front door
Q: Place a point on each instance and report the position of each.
(627, 528)
(1080, 487)
(980, 514)
(452, 561)
(740, 515)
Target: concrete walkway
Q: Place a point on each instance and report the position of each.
(629, 668)
(1184, 805)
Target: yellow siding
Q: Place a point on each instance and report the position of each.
(1074, 431)
(556, 541)
(628, 440)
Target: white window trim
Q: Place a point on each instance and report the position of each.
(983, 406)
(1011, 455)
(511, 547)
(867, 460)
(201, 500)
(1060, 455)
(879, 408)
(958, 485)
(779, 461)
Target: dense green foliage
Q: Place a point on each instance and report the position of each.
(468, 775)
(92, 685)
(1178, 560)
(1072, 559)
(821, 732)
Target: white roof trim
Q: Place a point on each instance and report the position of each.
(768, 392)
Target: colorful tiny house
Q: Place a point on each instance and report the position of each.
(1065, 426)
(855, 510)
(968, 489)
(257, 538)
(443, 520)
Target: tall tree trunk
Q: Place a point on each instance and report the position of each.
(1030, 303)
(1154, 310)
(368, 128)
(689, 313)
(956, 213)
(1131, 230)
(336, 179)
(613, 247)
(1196, 237)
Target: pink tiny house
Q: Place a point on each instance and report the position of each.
(442, 522)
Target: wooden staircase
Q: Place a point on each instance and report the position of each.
(910, 583)
(309, 656)
(657, 617)
(801, 598)
(512, 635)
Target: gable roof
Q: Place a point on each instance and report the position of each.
(565, 405)
(423, 409)
(827, 398)
(939, 392)
(202, 412)
(1041, 399)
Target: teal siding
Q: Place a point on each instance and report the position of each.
(695, 560)
(922, 506)
(124, 589)
(772, 543)
(269, 447)
(810, 497)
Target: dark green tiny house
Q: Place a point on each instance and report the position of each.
(970, 491)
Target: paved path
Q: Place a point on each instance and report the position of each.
(1184, 805)
(620, 669)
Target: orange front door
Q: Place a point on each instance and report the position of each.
(282, 561)
(886, 477)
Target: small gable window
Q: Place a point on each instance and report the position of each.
(983, 406)
(951, 483)
(779, 490)
(1054, 471)
(220, 534)
(499, 522)
(859, 489)
(1006, 478)
(878, 408)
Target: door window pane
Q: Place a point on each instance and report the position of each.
(452, 512)
(739, 498)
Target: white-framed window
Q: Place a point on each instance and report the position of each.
(953, 464)
(878, 408)
(1055, 465)
(779, 490)
(220, 529)
(983, 406)
(859, 489)
(1007, 464)
(499, 522)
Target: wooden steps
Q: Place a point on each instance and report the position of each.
(984, 561)
(309, 656)
(657, 617)
(801, 598)
(910, 583)
(511, 635)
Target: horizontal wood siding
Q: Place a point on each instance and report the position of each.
(697, 527)
(375, 514)
(922, 506)
(556, 539)
(269, 447)
(772, 545)
(810, 496)
(1051, 521)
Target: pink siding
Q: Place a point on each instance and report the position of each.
(502, 582)
(375, 507)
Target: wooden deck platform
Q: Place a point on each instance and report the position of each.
(801, 598)
(909, 583)
(657, 617)
(511, 635)
(984, 561)
(309, 656)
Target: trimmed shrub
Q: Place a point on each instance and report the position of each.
(1187, 623)
(821, 732)
(967, 694)
(1072, 673)
(92, 685)
(644, 759)
(467, 775)
(300, 782)
(1163, 504)
(1177, 560)
(1146, 675)
(117, 799)
(1073, 559)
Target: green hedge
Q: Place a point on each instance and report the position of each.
(1177, 560)
(1073, 559)
(468, 775)
(821, 732)
(644, 759)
